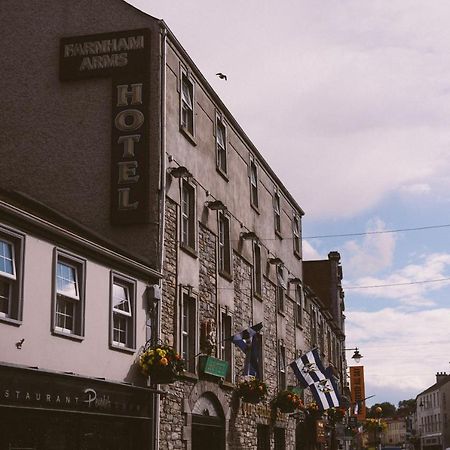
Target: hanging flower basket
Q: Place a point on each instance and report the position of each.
(374, 425)
(335, 415)
(287, 401)
(251, 390)
(312, 411)
(161, 363)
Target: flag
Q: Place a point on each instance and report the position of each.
(309, 368)
(250, 343)
(325, 394)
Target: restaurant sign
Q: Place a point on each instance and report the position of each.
(25, 388)
(124, 57)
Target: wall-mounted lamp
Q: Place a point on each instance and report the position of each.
(275, 261)
(20, 343)
(179, 172)
(216, 205)
(249, 236)
(356, 356)
(295, 280)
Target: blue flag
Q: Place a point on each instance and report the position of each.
(249, 341)
(309, 368)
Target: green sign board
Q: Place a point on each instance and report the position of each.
(213, 366)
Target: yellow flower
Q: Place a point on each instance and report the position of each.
(164, 361)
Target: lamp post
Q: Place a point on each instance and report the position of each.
(356, 356)
(378, 412)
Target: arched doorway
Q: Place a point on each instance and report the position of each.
(208, 424)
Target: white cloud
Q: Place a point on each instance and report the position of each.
(429, 267)
(374, 253)
(417, 189)
(348, 101)
(309, 252)
(396, 347)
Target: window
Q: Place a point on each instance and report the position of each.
(68, 314)
(257, 269)
(296, 232)
(313, 326)
(281, 366)
(277, 212)
(11, 261)
(187, 215)
(281, 288)
(224, 245)
(254, 184)
(298, 305)
(187, 105)
(123, 304)
(225, 343)
(221, 146)
(188, 329)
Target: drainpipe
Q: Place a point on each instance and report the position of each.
(162, 208)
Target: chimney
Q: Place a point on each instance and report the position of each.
(440, 376)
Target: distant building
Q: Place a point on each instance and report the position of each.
(395, 432)
(433, 410)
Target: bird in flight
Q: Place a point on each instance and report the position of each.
(222, 76)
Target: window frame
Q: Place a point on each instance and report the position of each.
(299, 305)
(282, 366)
(188, 240)
(221, 150)
(224, 251)
(257, 271)
(297, 235)
(186, 294)
(14, 282)
(226, 350)
(277, 212)
(280, 290)
(187, 129)
(60, 300)
(253, 178)
(120, 279)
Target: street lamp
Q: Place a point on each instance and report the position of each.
(356, 356)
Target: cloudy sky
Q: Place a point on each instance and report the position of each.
(349, 101)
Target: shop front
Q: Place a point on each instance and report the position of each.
(48, 410)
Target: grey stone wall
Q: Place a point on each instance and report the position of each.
(242, 419)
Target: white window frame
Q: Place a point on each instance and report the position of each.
(277, 212)
(8, 279)
(282, 375)
(61, 300)
(296, 235)
(224, 253)
(281, 290)
(189, 330)
(13, 260)
(188, 218)
(13, 283)
(299, 304)
(254, 195)
(257, 270)
(185, 126)
(221, 148)
(225, 345)
(130, 285)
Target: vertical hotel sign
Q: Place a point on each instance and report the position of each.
(358, 391)
(125, 58)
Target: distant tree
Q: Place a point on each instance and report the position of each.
(388, 410)
(406, 407)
